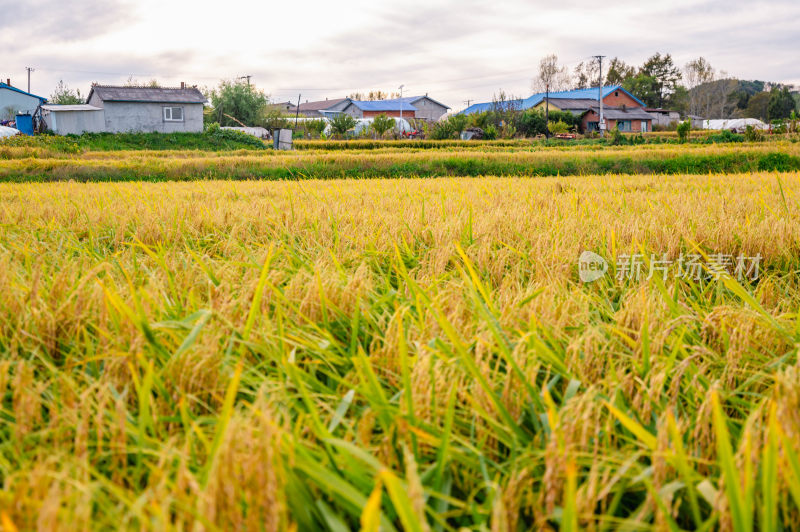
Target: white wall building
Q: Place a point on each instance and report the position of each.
(149, 109)
(14, 100)
(73, 119)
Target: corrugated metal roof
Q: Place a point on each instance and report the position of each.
(9, 87)
(320, 105)
(488, 106)
(412, 99)
(78, 107)
(110, 93)
(385, 105)
(636, 113)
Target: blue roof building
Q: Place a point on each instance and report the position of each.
(536, 99)
(14, 100)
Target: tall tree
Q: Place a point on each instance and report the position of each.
(757, 106)
(781, 103)
(63, 95)
(665, 75)
(643, 87)
(619, 72)
(551, 74)
(586, 74)
(699, 73)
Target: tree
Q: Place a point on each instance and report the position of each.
(619, 72)
(63, 95)
(698, 74)
(757, 106)
(643, 87)
(132, 82)
(781, 104)
(551, 75)
(586, 75)
(665, 75)
(373, 95)
(239, 100)
(342, 123)
(382, 123)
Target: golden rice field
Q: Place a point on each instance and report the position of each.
(36, 163)
(407, 354)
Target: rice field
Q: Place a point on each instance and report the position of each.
(400, 354)
(410, 159)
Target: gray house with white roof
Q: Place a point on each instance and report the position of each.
(149, 109)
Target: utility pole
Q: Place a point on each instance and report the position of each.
(247, 77)
(402, 127)
(29, 69)
(601, 123)
(547, 111)
(467, 102)
(297, 111)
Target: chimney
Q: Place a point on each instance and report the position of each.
(183, 84)
(8, 82)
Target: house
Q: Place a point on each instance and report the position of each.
(663, 117)
(370, 109)
(73, 119)
(149, 109)
(620, 108)
(419, 107)
(322, 108)
(427, 108)
(14, 101)
(286, 107)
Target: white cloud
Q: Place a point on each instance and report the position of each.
(455, 50)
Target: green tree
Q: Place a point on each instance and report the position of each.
(239, 100)
(643, 87)
(63, 95)
(665, 77)
(619, 72)
(781, 104)
(342, 123)
(757, 106)
(382, 123)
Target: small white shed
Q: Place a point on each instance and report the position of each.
(73, 119)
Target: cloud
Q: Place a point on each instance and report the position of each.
(57, 22)
(454, 50)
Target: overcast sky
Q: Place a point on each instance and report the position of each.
(453, 50)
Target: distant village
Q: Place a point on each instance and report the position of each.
(185, 108)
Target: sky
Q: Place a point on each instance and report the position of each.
(453, 50)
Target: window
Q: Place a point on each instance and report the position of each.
(624, 125)
(593, 126)
(173, 114)
(616, 93)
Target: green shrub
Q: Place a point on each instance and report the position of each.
(752, 134)
(683, 130)
(382, 123)
(342, 123)
(558, 128)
